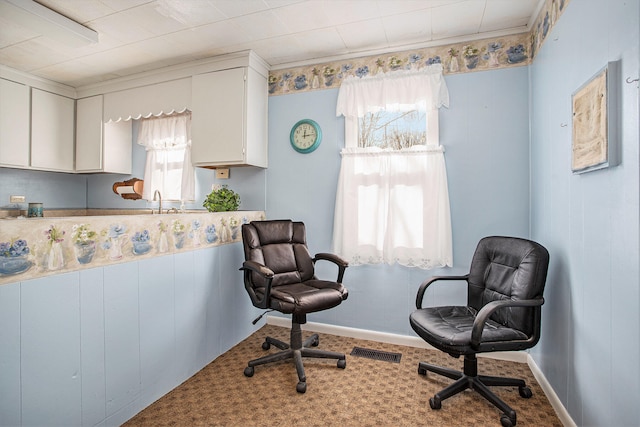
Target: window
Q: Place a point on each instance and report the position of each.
(392, 203)
(168, 168)
(394, 130)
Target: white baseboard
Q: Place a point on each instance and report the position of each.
(512, 356)
(561, 411)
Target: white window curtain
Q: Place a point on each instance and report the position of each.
(168, 167)
(392, 206)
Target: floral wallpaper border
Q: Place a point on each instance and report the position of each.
(37, 247)
(477, 55)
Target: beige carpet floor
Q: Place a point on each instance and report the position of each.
(367, 393)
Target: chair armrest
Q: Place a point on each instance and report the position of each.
(341, 263)
(424, 285)
(487, 310)
(251, 266)
(258, 268)
(331, 257)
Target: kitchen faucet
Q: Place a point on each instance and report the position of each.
(157, 193)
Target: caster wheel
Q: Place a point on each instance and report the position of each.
(248, 371)
(506, 421)
(525, 392)
(422, 371)
(301, 387)
(266, 345)
(342, 363)
(435, 403)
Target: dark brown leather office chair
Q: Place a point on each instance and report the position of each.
(279, 275)
(504, 298)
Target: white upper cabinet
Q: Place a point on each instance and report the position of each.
(229, 118)
(43, 127)
(101, 147)
(52, 130)
(14, 124)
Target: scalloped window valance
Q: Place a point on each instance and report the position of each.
(159, 99)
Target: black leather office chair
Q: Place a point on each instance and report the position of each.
(505, 285)
(279, 275)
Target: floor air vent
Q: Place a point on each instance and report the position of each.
(385, 356)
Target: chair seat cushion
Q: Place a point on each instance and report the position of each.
(448, 328)
(307, 297)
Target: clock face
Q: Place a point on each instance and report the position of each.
(305, 136)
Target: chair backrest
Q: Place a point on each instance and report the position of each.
(509, 268)
(281, 246)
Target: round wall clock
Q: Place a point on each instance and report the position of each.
(305, 136)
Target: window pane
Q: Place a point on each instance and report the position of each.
(395, 130)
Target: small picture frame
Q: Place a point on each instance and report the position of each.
(594, 107)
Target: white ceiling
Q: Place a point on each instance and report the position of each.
(141, 35)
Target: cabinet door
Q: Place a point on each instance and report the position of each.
(118, 146)
(52, 126)
(256, 122)
(89, 134)
(218, 121)
(14, 124)
(101, 147)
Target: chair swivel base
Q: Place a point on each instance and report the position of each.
(296, 350)
(469, 379)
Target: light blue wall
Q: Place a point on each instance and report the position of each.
(486, 135)
(53, 190)
(94, 347)
(589, 349)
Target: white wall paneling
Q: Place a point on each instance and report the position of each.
(10, 396)
(50, 374)
(92, 348)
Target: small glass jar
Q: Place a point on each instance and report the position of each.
(35, 210)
